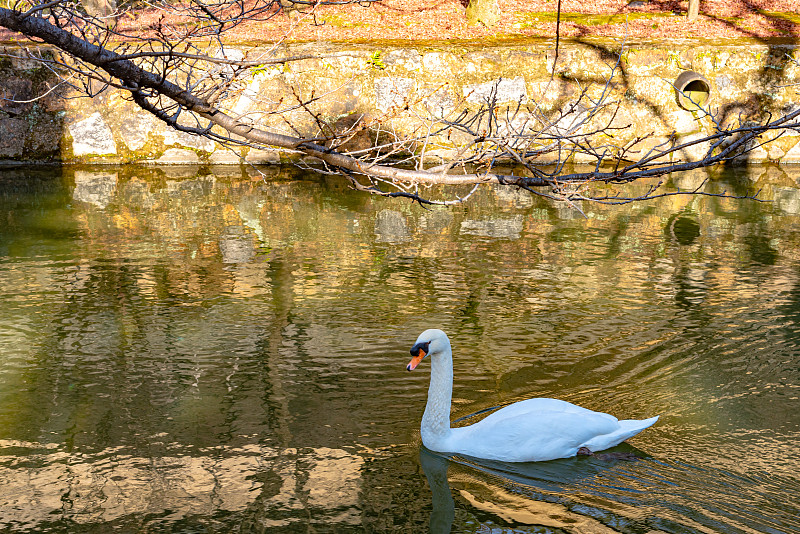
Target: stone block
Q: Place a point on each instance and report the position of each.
(774, 152)
(683, 122)
(650, 146)
(15, 95)
(257, 156)
(12, 137)
(694, 152)
(439, 63)
(569, 120)
(435, 81)
(44, 137)
(247, 99)
(500, 90)
(342, 98)
(653, 90)
(647, 60)
(91, 136)
(482, 61)
(551, 94)
(754, 155)
(223, 156)
(178, 156)
(22, 63)
(439, 101)
(563, 63)
(724, 85)
(408, 59)
(183, 139)
(792, 155)
(134, 129)
(393, 92)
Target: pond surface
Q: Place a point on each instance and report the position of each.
(184, 350)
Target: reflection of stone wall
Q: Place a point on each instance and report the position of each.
(94, 188)
(746, 80)
(221, 230)
(114, 485)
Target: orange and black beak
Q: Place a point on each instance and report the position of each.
(418, 351)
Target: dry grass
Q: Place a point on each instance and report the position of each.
(435, 20)
(445, 20)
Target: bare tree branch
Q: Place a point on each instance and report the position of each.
(169, 75)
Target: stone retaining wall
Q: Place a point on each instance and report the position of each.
(385, 81)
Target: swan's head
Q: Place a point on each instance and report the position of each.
(431, 341)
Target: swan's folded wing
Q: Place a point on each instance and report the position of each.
(533, 435)
(532, 407)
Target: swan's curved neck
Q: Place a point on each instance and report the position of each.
(435, 427)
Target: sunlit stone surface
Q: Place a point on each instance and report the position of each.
(91, 136)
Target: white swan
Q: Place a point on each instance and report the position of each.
(527, 431)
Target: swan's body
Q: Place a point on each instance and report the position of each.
(527, 431)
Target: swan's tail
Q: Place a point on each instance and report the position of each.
(627, 429)
(631, 427)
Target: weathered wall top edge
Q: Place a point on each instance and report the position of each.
(512, 41)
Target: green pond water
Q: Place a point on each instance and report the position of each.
(186, 350)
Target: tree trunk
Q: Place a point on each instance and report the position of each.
(694, 10)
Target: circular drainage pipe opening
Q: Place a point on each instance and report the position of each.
(692, 89)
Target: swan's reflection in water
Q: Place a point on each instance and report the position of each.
(435, 469)
(545, 494)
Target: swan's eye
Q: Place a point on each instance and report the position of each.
(420, 347)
